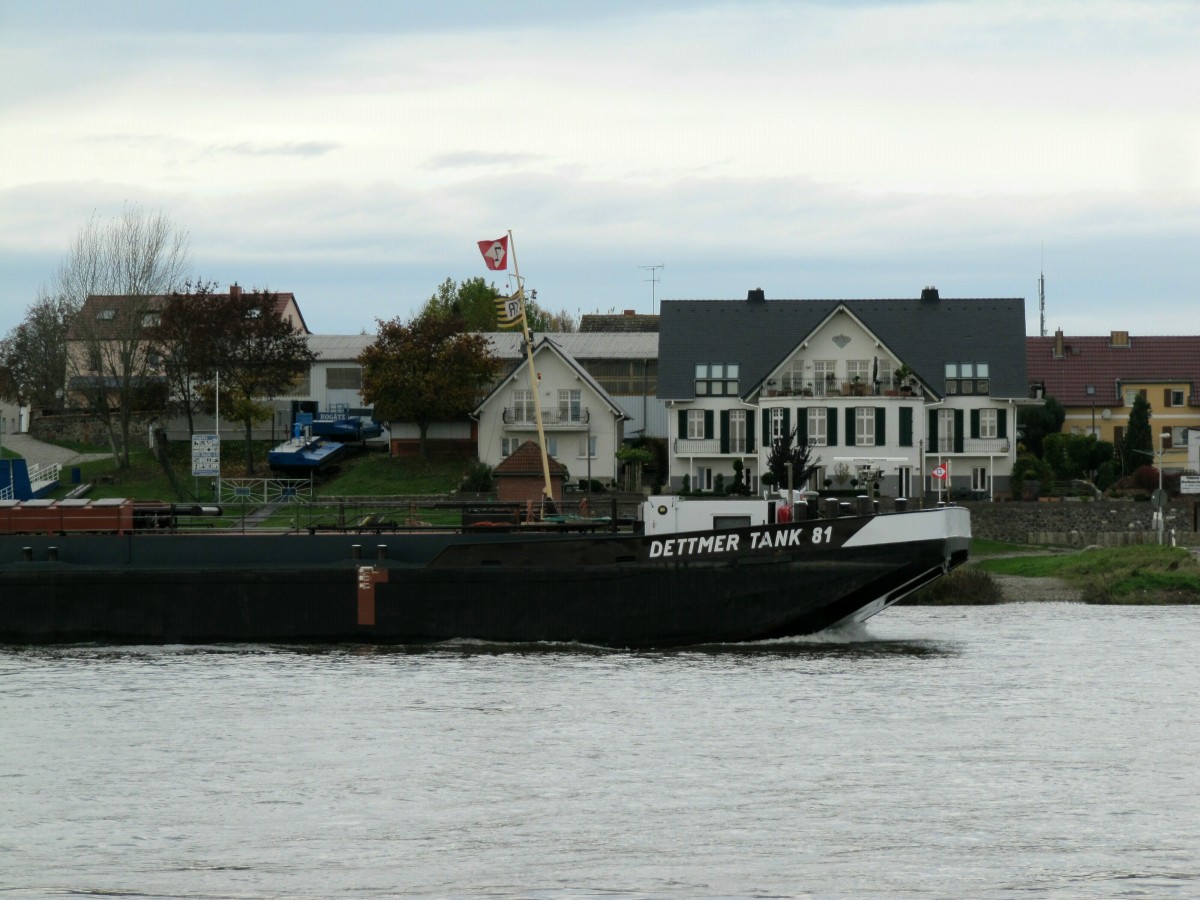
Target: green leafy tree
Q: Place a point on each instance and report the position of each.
(188, 339)
(33, 356)
(784, 449)
(425, 371)
(473, 303)
(1137, 448)
(1035, 422)
(257, 355)
(1029, 468)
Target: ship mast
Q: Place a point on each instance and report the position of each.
(547, 490)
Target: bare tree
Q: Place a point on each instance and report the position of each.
(115, 275)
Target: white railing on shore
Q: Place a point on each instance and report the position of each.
(43, 476)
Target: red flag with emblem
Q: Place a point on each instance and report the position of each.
(495, 253)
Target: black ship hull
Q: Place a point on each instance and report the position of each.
(616, 590)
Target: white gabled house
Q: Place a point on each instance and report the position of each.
(584, 426)
(739, 374)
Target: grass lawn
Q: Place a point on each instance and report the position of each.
(1144, 573)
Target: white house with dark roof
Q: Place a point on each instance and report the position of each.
(582, 423)
(736, 375)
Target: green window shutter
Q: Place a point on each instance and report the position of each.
(787, 421)
(1002, 423)
(974, 423)
(801, 427)
(880, 426)
(958, 431)
(932, 444)
(750, 431)
(906, 420)
(831, 426)
(682, 424)
(724, 431)
(850, 414)
(708, 424)
(766, 428)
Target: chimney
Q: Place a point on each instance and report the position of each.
(630, 312)
(1118, 339)
(930, 294)
(757, 295)
(235, 290)
(1060, 348)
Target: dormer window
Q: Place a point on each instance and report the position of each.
(967, 378)
(106, 315)
(717, 380)
(150, 319)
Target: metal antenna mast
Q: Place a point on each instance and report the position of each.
(653, 279)
(1042, 292)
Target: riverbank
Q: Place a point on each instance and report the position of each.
(1135, 576)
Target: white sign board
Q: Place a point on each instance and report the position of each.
(206, 455)
(1189, 484)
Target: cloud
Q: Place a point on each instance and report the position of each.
(469, 159)
(302, 148)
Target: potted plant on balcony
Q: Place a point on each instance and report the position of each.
(904, 378)
(857, 388)
(830, 383)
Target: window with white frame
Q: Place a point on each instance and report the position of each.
(967, 378)
(824, 375)
(522, 404)
(695, 424)
(864, 427)
(1131, 396)
(737, 431)
(551, 446)
(792, 377)
(716, 380)
(570, 407)
(945, 424)
(817, 426)
(776, 423)
(1177, 398)
(509, 445)
(885, 374)
(858, 370)
(979, 478)
(987, 423)
(587, 447)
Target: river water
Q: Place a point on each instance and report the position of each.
(1025, 750)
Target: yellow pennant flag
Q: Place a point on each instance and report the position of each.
(509, 310)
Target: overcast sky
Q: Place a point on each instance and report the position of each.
(354, 153)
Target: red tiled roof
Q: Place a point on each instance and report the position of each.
(527, 460)
(1093, 360)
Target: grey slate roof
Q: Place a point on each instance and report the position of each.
(759, 335)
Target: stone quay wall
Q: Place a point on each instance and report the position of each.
(1104, 523)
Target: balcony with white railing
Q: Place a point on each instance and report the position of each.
(972, 446)
(837, 389)
(558, 419)
(709, 447)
